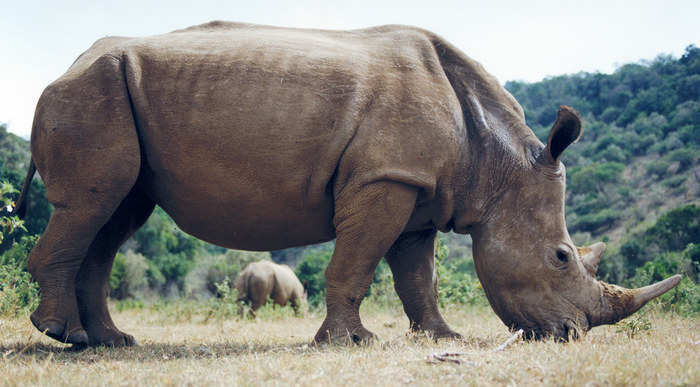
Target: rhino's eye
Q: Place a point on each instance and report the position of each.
(562, 256)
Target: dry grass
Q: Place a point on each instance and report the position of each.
(273, 351)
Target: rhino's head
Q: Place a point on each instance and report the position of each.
(534, 276)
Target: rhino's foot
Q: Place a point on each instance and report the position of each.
(344, 336)
(58, 329)
(437, 330)
(110, 337)
(445, 334)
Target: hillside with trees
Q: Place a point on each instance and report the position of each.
(637, 160)
(632, 181)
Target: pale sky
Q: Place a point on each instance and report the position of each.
(515, 40)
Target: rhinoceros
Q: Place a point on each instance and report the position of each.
(263, 138)
(266, 279)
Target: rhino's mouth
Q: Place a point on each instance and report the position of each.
(561, 331)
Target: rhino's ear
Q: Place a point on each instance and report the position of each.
(566, 130)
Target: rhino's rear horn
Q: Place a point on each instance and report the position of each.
(591, 255)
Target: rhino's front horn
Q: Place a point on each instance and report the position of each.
(618, 303)
(650, 292)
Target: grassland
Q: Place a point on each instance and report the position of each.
(178, 347)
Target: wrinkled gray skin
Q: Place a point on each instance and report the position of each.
(264, 280)
(264, 138)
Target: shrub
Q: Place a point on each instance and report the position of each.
(658, 168)
(18, 253)
(684, 299)
(225, 305)
(613, 153)
(633, 325)
(210, 271)
(382, 292)
(675, 181)
(18, 293)
(676, 228)
(456, 285)
(602, 220)
(312, 270)
(685, 157)
(128, 277)
(8, 224)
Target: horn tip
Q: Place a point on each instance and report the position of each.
(675, 280)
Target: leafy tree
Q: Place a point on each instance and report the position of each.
(674, 230)
(210, 272)
(311, 270)
(17, 292)
(8, 224)
(14, 160)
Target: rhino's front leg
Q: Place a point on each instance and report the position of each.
(367, 221)
(411, 260)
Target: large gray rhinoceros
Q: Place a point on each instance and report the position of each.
(264, 138)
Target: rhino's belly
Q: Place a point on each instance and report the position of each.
(247, 206)
(257, 230)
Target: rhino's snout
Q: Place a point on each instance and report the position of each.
(560, 331)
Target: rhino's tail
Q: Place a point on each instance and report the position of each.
(21, 205)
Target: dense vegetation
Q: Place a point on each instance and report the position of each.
(632, 182)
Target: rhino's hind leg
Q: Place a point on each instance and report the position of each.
(92, 281)
(411, 260)
(367, 222)
(85, 147)
(54, 262)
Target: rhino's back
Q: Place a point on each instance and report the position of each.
(242, 128)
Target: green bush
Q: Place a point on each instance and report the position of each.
(634, 325)
(381, 292)
(18, 292)
(128, 278)
(602, 220)
(675, 229)
(684, 299)
(658, 168)
(8, 224)
(685, 157)
(18, 253)
(456, 285)
(209, 271)
(669, 246)
(225, 304)
(311, 270)
(675, 181)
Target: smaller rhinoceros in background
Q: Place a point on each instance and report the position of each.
(265, 279)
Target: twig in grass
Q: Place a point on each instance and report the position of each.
(510, 341)
(451, 357)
